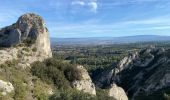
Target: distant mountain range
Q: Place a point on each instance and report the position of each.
(110, 40)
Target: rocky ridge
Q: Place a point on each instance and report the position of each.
(143, 72)
(107, 76)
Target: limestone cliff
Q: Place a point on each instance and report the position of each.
(30, 28)
(106, 78)
(27, 40)
(142, 73)
(21, 44)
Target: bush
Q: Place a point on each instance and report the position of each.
(34, 49)
(17, 77)
(49, 74)
(39, 88)
(29, 41)
(20, 90)
(56, 69)
(26, 49)
(72, 73)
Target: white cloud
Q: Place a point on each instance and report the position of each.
(82, 3)
(93, 6)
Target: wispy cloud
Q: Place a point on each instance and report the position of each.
(82, 3)
(9, 14)
(156, 24)
(92, 4)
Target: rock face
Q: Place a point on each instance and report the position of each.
(124, 63)
(117, 93)
(106, 77)
(27, 41)
(29, 28)
(5, 87)
(143, 74)
(23, 43)
(85, 84)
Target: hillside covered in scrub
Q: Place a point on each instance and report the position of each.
(28, 71)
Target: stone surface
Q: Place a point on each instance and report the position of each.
(142, 73)
(5, 87)
(27, 41)
(107, 77)
(85, 84)
(31, 28)
(8, 54)
(117, 93)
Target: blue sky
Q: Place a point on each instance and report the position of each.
(93, 18)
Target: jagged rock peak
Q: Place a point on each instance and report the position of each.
(30, 25)
(30, 28)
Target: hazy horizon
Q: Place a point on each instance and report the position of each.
(111, 36)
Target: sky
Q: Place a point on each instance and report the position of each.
(93, 18)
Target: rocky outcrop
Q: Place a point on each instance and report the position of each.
(85, 84)
(124, 63)
(139, 73)
(23, 43)
(5, 87)
(147, 73)
(27, 41)
(107, 77)
(8, 55)
(30, 28)
(117, 93)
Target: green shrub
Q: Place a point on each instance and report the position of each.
(17, 77)
(40, 90)
(50, 74)
(26, 49)
(72, 73)
(34, 49)
(20, 90)
(29, 41)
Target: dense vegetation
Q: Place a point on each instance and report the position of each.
(97, 58)
(51, 73)
(61, 74)
(58, 72)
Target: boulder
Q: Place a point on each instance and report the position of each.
(117, 92)
(5, 87)
(85, 84)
